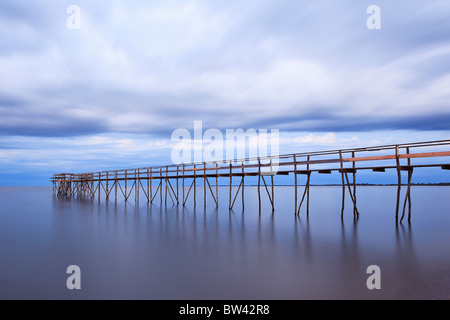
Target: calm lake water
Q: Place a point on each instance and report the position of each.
(129, 251)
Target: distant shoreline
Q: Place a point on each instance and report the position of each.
(386, 185)
(442, 184)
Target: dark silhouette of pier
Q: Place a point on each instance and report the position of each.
(171, 179)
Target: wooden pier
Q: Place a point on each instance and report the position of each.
(179, 182)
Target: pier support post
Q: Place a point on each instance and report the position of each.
(204, 185)
(137, 187)
(148, 185)
(195, 186)
(305, 193)
(107, 185)
(217, 185)
(126, 185)
(151, 186)
(399, 181)
(99, 185)
(343, 185)
(408, 196)
(178, 198)
(355, 211)
(161, 184)
(295, 184)
(231, 181)
(272, 173)
(115, 186)
(410, 169)
(182, 184)
(167, 186)
(308, 182)
(243, 185)
(259, 184)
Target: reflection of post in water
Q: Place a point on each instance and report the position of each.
(351, 259)
(354, 233)
(409, 269)
(266, 240)
(307, 240)
(404, 238)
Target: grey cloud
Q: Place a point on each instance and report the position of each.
(432, 122)
(121, 76)
(44, 128)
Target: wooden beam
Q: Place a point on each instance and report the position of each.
(400, 156)
(306, 172)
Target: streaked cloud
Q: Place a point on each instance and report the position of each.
(136, 71)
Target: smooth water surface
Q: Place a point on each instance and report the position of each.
(129, 251)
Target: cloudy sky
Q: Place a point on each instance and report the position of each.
(109, 95)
